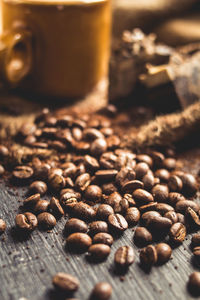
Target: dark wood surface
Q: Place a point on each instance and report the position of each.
(28, 264)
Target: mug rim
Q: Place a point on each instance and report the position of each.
(55, 2)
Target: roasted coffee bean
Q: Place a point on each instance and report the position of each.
(46, 220)
(27, 129)
(141, 169)
(148, 207)
(192, 219)
(132, 216)
(26, 221)
(93, 193)
(2, 226)
(79, 241)
(98, 147)
(117, 222)
(69, 169)
(98, 226)
(108, 160)
(41, 206)
(69, 199)
(91, 163)
(164, 252)
(80, 170)
(103, 211)
(175, 183)
(41, 172)
(99, 251)
(103, 238)
(69, 182)
(105, 175)
(2, 170)
(82, 181)
(174, 197)
(158, 158)
(30, 140)
(38, 187)
(124, 256)
(189, 184)
(113, 199)
(101, 291)
(77, 133)
(196, 239)
(106, 131)
(196, 253)
(65, 282)
(160, 193)
(142, 197)
(163, 208)
(181, 206)
(149, 215)
(156, 180)
(142, 237)
(84, 211)
(145, 158)
(177, 232)
(56, 182)
(22, 173)
(113, 142)
(130, 186)
(163, 175)
(108, 188)
(181, 218)
(172, 215)
(125, 175)
(3, 152)
(75, 225)
(159, 225)
(130, 200)
(148, 180)
(33, 199)
(121, 206)
(55, 171)
(56, 207)
(148, 256)
(169, 163)
(92, 134)
(58, 145)
(194, 283)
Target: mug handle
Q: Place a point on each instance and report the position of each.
(16, 57)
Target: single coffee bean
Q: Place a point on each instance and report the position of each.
(159, 225)
(32, 200)
(2, 226)
(172, 215)
(108, 160)
(77, 133)
(194, 283)
(196, 239)
(169, 163)
(148, 180)
(93, 193)
(79, 241)
(174, 197)
(69, 200)
(108, 188)
(121, 206)
(98, 226)
(124, 175)
(41, 172)
(75, 225)
(177, 232)
(69, 169)
(148, 216)
(142, 197)
(192, 219)
(145, 158)
(141, 169)
(132, 216)
(3, 152)
(84, 211)
(98, 147)
(46, 220)
(69, 182)
(38, 187)
(189, 184)
(91, 163)
(196, 253)
(22, 173)
(103, 238)
(56, 181)
(163, 208)
(175, 183)
(82, 181)
(56, 207)
(113, 199)
(65, 282)
(163, 175)
(142, 237)
(103, 211)
(41, 206)
(124, 256)
(181, 218)
(26, 221)
(130, 200)
(99, 251)
(55, 171)
(181, 206)
(160, 193)
(148, 207)
(105, 175)
(101, 291)
(158, 158)
(117, 222)
(2, 170)
(164, 252)
(130, 186)
(148, 256)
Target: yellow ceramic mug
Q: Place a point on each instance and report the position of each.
(55, 48)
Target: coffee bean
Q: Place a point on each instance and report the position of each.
(55, 171)
(142, 197)
(105, 175)
(106, 131)
(132, 216)
(69, 182)
(99, 251)
(175, 183)
(82, 181)
(3, 152)
(196, 253)
(75, 225)
(26, 221)
(159, 225)
(189, 184)
(194, 283)
(38, 187)
(169, 163)
(103, 238)
(65, 282)
(2, 226)
(158, 158)
(145, 158)
(192, 219)
(141, 169)
(113, 199)
(181, 206)
(121, 206)
(130, 200)
(2, 170)
(103, 211)
(41, 172)
(22, 173)
(93, 193)
(175, 197)
(84, 211)
(98, 147)
(108, 160)
(101, 291)
(130, 186)
(91, 163)
(108, 188)
(148, 256)
(117, 222)
(56, 182)
(98, 226)
(148, 216)
(164, 252)
(124, 256)
(142, 237)
(92, 134)
(27, 129)
(46, 220)
(196, 239)
(32, 200)
(177, 232)
(160, 193)
(79, 241)
(113, 142)
(69, 169)
(172, 215)
(77, 133)
(125, 175)
(56, 207)
(163, 175)
(181, 218)
(163, 208)
(148, 180)
(69, 199)
(41, 206)
(148, 207)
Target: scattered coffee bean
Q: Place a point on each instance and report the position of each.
(41, 206)
(82, 181)
(22, 173)
(79, 241)
(160, 193)
(142, 197)
(98, 226)
(38, 187)
(194, 283)
(192, 219)
(65, 282)
(103, 238)
(145, 158)
(172, 215)
(164, 252)
(148, 256)
(32, 200)
(175, 197)
(93, 193)
(189, 184)
(46, 220)
(84, 211)
(196, 253)
(196, 239)
(101, 291)
(181, 206)
(141, 169)
(109, 188)
(175, 183)
(117, 222)
(56, 207)
(132, 216)
(148, 180)
(124, 256)
(177, 232)
(26, 221)
(103, 211)
(75, 225)
(163, 175)
(99, 251)
(105, 175)
(98, 147)
(130, 186)
(56, 181)
(142, 237)
(2, 226)
(163, 208)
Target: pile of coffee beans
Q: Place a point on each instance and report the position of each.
(103, 189)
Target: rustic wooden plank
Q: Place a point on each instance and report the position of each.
(27, 266)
